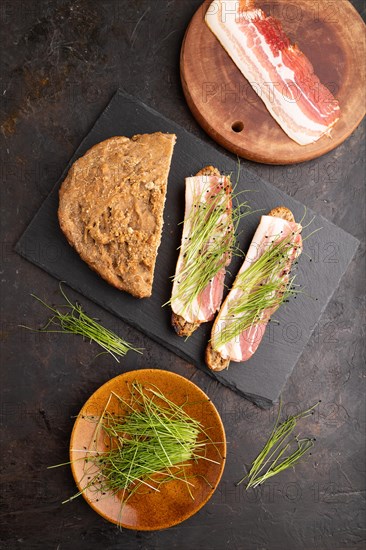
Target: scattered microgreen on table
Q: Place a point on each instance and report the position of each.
(282, 450)
(71, 319)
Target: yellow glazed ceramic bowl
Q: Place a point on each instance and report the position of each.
(148, 509)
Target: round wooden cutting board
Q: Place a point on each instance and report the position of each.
(332, 36)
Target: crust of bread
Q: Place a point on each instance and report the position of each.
(180, 325)
(282, 212)
(214, 361)
(183, 327)
(111, 208)
(209, 171)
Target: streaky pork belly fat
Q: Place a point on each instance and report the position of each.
(201, 246)
(278, 71)
(271, 230)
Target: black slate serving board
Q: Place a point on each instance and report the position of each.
(260, 379)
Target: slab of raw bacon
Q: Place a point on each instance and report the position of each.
(242, 347)
(201, 251)
(279, 72)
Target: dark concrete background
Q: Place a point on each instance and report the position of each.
(62, 61)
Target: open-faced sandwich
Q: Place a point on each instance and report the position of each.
(207, 244)
(262, 284)
(205, 250)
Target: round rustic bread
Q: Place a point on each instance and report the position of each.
(111, 208)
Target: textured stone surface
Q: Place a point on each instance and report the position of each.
(325, 259)
(62, 61)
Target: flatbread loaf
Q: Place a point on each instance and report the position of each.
(111, 208)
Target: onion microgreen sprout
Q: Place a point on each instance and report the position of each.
(263, 286)
(213, 222)
(281, 451)
(71, 319)
(149, 441)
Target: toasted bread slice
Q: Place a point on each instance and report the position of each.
(180, 325)
(282, 212)
(214, 361)
(111, 208)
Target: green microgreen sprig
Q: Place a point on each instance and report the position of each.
(281, 451)
(211, 242)
(73, 320)
(151, 442)
(264, 285)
